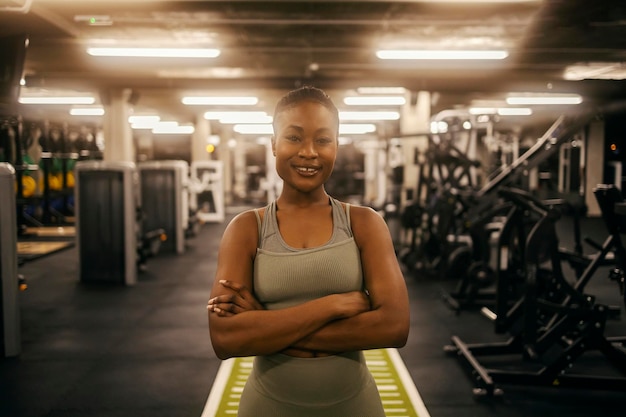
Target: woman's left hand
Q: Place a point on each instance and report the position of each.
(240, 300)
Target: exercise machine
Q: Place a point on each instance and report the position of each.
(113, 243)
(165, 201)
(10, 333)
(206, 197)
(557, 321)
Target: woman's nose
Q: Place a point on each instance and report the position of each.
(308, 149)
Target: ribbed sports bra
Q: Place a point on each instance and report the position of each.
(285, 276)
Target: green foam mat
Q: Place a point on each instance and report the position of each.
(397, 390)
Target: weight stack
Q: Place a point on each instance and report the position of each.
(9, 290)
(164, 200)
(106, 221)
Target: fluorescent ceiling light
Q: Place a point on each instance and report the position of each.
(441, 54)
(153, 119)
(254, 129)
(151, 124)
(596, 71)
(57, 100)
(483, 110)
(374, 101)
(230, 117)
(250, 119)
(381, 90)
(166, 129)
(502, 111)
(356, 129)
(515, 111)
(216, 115)
(368, 115)
(88, 111)
(155, 52)
(220, 101)
(528, 99)
(147, 121)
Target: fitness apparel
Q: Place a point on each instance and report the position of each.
(286, 386)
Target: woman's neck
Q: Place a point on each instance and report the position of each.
(300, 200)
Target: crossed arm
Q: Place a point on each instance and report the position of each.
(239, 326)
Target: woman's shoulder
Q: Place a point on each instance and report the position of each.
(359, 213)
(357, 209)
(243, 229)
(248, 216)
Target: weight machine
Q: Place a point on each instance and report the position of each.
(556, 322)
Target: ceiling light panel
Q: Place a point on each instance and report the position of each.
(596, 71)
(154, 52)
(219, 101)
(153, 119)
(543, 99)
(254, 129)
(374, 101)
(87, 111)
(249, 119)
(502, 111)
(368, 115)
(381, 90)
(167, 129)
(57, 100)
(425, 54)
(234, 117)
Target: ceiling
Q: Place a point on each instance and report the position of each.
(268, 47)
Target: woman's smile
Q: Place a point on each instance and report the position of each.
(307, 171)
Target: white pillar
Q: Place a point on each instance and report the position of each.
(225, 155)
(594, 165)
(199, 139)
(118, 137)
(239, 169)
(415, 118)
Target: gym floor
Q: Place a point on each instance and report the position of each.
(102, 350)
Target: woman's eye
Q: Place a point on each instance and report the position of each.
(324, 140)
(293, 138)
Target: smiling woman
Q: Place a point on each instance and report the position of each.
(307, 283)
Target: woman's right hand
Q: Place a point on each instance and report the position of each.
(240, 300)
(350, 304)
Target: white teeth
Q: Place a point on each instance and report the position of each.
(306, 169)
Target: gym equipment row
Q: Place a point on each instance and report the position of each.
(495, 249)
(447, 202)
(31, 244)
(126, 213)
(431, 215)
(113, 243)
(44, 157)
(552, 322)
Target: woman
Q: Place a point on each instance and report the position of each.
(307, 282)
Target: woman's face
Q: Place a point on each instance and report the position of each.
(305, 145)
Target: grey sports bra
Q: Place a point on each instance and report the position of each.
(285, 276)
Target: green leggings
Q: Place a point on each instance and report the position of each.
(332, 386)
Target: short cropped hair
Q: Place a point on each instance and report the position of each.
(302, 94)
